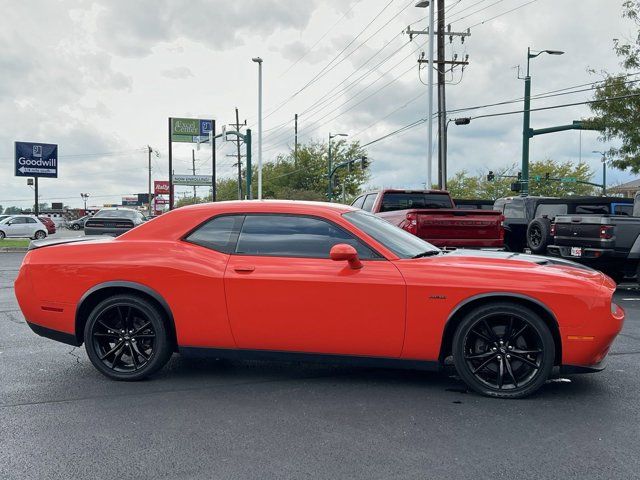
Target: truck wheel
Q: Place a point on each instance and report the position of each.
(539, 235)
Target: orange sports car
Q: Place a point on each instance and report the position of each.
(315, 281)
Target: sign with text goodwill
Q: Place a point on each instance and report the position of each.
(189, 129)
(36, 160)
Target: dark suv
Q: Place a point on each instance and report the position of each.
(527, 220)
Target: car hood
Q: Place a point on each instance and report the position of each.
(524, 262)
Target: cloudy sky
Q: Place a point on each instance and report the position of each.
(100, 79)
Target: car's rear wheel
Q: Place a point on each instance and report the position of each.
(40, 234)
(2, 235)
(503, 350)
(126, 338)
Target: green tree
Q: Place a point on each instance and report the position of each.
(463, 185)
(12, 210)
(618, 119)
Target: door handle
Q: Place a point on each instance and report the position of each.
(244, 268)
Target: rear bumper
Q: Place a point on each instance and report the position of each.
(588, 253)
(105, 231)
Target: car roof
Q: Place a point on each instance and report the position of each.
(170, 224)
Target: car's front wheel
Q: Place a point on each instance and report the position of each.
(75, 226)
(126, 338)
(503, 350)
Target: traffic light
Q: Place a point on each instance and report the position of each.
(462, 121)
(364, 163)
(491, 176)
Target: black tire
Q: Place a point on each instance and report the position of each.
(489, 345)
(40, 235)
(539, 235)
(122, 355)
(2, 235)
(75, 226)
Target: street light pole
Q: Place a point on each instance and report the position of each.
(258, 60)
(526, 123)
(330, 166)
(604, 171)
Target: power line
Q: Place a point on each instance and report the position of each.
(320, 73)
(320, 39)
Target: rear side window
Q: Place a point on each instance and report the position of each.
(294, 236)
(369, 201)
(30, 220)
(357, 203)
(219, 233)
(551, 210)
(593, 209)
(624, 209)
(514, 210)
(402, 201)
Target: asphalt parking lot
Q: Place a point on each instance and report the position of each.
(59, 418)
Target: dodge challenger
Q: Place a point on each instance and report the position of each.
(315, 282)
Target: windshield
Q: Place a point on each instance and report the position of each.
(403, 244)
(116, 214)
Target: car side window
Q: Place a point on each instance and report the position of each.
(357, 203)
(294, 236)
(18, 220)
(369, 201)
(30, 220)
(219, 233)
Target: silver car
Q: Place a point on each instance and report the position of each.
(22, 226)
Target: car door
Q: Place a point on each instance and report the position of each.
(16, 227)
(284, 293)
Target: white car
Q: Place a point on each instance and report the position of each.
(22, 226)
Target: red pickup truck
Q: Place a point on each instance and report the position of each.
(433, 216)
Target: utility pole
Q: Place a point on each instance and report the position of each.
(440, 63)
(149, 150)
(295, 141)
(238, 126)
(442, 108)
(193, 163)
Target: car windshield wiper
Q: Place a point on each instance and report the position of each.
(428, 253)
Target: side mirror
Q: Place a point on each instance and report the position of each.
(342, 252)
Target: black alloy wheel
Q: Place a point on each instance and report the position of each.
(503, 350)
(126, 338)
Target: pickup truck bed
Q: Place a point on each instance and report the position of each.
(610, 243)
(432, 215)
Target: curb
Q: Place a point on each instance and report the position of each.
(13, 249)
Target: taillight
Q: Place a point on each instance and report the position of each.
(411, 224)
(553, 230)
(606, 232)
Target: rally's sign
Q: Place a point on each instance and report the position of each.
(161, 187)
(36, 160)
(194, 180)
(190, 130)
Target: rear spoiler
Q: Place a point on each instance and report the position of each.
(61, 241)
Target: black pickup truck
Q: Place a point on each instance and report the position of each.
(610, 243)
(527, 220)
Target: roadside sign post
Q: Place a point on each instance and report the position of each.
(36, 160)
(191, 130)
